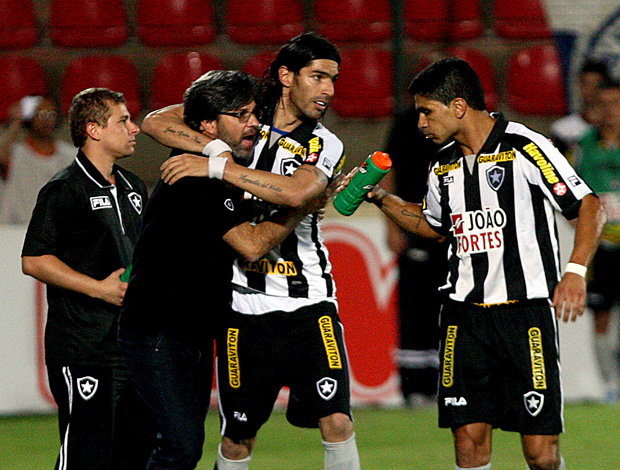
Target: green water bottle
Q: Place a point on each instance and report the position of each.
(370, 173)
(126, 274)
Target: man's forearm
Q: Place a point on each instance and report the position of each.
(588, 230)
(407, 215)
(166, 126)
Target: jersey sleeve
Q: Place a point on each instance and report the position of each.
(548, 169)
(51, 213)
(326, 152)
(432, 202)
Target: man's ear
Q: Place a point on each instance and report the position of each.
(209, 128)
(459, 107)
(285, 76)
(93, 130)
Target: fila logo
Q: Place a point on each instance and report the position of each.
(240, 416)
(87, 387)
(100, 202)
(454, 401)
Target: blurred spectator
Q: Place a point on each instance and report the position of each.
(30, 155)
(598, 162)
(422, 266)
(568, 130)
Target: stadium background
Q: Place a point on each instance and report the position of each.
(525, 50)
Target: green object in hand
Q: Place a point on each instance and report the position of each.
(126, 274)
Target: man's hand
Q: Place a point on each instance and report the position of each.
(112, 289)
(569, 298)
(183, 165)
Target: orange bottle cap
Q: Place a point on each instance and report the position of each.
(382, 160)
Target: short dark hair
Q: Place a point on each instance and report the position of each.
(448, 79)
(215, 92)
(91, 105)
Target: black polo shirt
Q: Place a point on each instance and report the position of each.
(182, 269)
(92, 226)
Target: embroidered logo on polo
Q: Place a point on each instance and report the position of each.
(229, 205)
(533, 402)
(327, 387)
(100, 202)
(136, 201)
(87, 387)
(495, 177)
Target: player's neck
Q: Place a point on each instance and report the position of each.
(475, 132)
(286, 116)
(102, 161)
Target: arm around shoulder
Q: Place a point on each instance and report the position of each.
(167, 127)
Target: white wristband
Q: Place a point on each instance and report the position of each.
(576, 268)
(215, 147)
(216, 167)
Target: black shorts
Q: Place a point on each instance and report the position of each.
(500, 365)
(603, 287)
(260, 354)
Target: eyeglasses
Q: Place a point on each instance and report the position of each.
(243, 116)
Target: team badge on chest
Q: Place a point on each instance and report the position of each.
(136, 201)
(495, 177)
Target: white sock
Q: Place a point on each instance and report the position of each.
(484, 467)
(342, 455)
(562, 464)
(222, 463)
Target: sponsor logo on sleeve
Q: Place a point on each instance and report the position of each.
(443, 169)
(546, 168)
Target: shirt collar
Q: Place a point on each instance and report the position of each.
(94, 175)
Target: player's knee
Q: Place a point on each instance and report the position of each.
(337, 427)
(473, 445)
(545, 455)
(237, 450)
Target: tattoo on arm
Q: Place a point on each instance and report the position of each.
(316, 172)
(262, 184)
(408, 213)
(183, 134)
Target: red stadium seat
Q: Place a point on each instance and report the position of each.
(115, 73)
(88, 23)
(353, 20)
(521, 19)
(265, 21)
(258, 64)
(465, 20)
(175, 22)
(364, 88)
(426, 20)
(534, 82)
(21, 76)
(19, 29)
(175, 72)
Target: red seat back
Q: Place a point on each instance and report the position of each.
(482, 65)
(465, 18)
(88, 23)
(258, 64)
(18, 29)
(21, 76)
(364, 88)
(105, 71)
(353, 20)
(534, 82)
(521, 19)
(175, 22)
(264, 21)
(426, 20)
(175, 72)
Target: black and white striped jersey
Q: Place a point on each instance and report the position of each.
(299, 267)
(497, 210)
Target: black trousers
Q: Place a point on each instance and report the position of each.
(103, 424)
(175, 380)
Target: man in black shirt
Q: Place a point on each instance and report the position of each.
(79, 242)
(180, 287)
